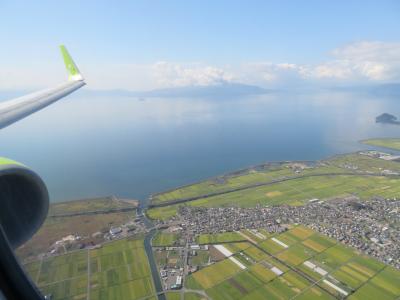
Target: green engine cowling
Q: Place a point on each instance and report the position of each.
(24, 201)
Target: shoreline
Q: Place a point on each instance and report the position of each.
(143, 204)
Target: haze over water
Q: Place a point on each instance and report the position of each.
(86, 146)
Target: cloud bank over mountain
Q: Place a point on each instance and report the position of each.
(358, 63)
(361, 62)
(365, 62)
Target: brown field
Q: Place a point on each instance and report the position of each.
(262, 273)
(301, 232)
(314, 245)
(215, 254)
(273, 194)
(56, 228)
(172, 261)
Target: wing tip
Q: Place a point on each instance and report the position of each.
(73, 72)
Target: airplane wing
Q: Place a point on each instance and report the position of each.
(16, 109)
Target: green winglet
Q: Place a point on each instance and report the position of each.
(72, 69)
(6, 161)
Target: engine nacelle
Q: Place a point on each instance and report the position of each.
(24, 201)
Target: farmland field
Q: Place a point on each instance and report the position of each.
(312, 266)
(75, 217)
(164, 239)
(299, 191)
(341, 175)
(117, 270)
(386, 143)
(186, 296)
(237, 247)
(201, 258)
(89, 205)
(210, 276)
(279, 171)
(219, 238)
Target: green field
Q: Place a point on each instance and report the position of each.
(186, 296)
(165, 239)
(87, 205)
(298, 192)
(117, 270)
(215, 273)
(255, 253)
(363, 162)
(385, 142)
(162, 213)
(219, 238)
(202, 257)
(173, 295)
(360, 276)
(237, 247)
(252, 176)
(295, 191)
(221, 184)
(248, 177)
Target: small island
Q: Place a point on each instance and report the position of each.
(386, 118)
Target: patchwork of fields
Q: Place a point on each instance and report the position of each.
(299, 191)
(296, 192)
(295, 189)
(247, 178)
(297, 264)
(77, 217)
(117, 270)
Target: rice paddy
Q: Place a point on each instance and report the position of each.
(117, 270)
(312, 266)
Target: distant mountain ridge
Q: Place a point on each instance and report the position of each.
(388, 89)
(220, 90)
(384, 89)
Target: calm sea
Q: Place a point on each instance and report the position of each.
(87, 146)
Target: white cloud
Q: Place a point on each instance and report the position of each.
(369, 51)
(270, 74)
(174, 74)
(359, 62)
(353, 63)
(376, 61)
(338, 70)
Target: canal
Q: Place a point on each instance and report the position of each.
(152, 262)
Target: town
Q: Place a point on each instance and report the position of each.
(370, 226)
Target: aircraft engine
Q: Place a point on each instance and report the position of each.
(24, 201)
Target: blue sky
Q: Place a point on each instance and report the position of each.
(193, 41)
